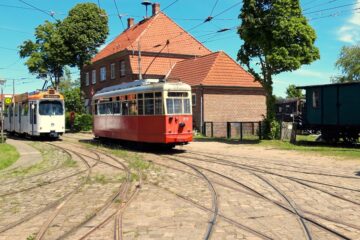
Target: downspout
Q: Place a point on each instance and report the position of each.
(202, 109)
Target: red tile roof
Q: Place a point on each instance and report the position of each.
(153, 65)
(216, 69)
(156, 34)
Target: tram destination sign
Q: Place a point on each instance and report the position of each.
(52, 96)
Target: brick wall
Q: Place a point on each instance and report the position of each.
(231, 104)
(234, 105)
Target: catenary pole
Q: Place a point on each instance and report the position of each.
(2, 82)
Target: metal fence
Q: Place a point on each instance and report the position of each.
(233, 130)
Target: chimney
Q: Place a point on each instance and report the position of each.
(155, 8)
(130, 22)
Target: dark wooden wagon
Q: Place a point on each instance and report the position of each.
(333, 109)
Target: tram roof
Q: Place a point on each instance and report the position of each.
(36, 95)
(138, 86)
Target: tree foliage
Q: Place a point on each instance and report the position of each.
(83, 31)
(72, 93)
(71, 42)
(349, 64)
(277, 38)
(46, 56)
(292, 92)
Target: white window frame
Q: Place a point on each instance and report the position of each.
(193, 99)
(93, 77)
(103, 74)
(112, 71)
(87, 79)
(122, 67)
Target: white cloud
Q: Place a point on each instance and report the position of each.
(350, 32)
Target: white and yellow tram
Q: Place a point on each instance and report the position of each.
(39, 113)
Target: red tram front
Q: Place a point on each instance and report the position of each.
(148, 111)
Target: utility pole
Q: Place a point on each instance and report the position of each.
(2, 83)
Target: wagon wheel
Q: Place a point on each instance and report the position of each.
(350, 138)
(330, 137)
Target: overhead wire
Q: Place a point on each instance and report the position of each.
(332, 8)
(168, 6)
(212, 10)
(49, 13)
(336, 14)
(321, 4)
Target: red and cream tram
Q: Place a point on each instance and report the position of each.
(149, 111)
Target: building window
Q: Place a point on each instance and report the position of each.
(112, 71)
(193, 99)
(93, 78)
(122, 68)
(102, 74)
(87, 79)
(316, 98)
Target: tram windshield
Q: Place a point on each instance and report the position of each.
(51, 108)
(178, 103)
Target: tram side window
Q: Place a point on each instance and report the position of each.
(140, 98)
(125, 108)
(16, 109)
(158, 103)
(6, 111)
(187, 106)
(149, 103)
(106, 108)
(132, 107)
(25, 109)
(117, 108)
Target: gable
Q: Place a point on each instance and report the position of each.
(157, 34)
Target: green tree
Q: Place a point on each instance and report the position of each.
(293, 92)
(349, 64)
(277, 38)
(83, 31)
(71, 42)
(46, 57)
(72, 93)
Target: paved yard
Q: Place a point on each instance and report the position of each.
(203, 190)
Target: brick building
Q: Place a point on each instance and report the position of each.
(222, 90)
(157, 47)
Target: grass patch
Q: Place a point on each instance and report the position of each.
(70, 163)
(49, 156)
(139, 167)
(8, 155)
(307, 144)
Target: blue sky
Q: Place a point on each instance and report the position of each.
(337, 23)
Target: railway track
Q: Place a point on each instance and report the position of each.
(304, 217)
(121, 193)
(276, 163)
(279, 204)
(50, 205)
(293, 179)
(215, 207)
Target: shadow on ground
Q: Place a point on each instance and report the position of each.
(228, 141)
(133, 146)
(322, 144)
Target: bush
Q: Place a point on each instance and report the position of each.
(271, 129)
(82, 122)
